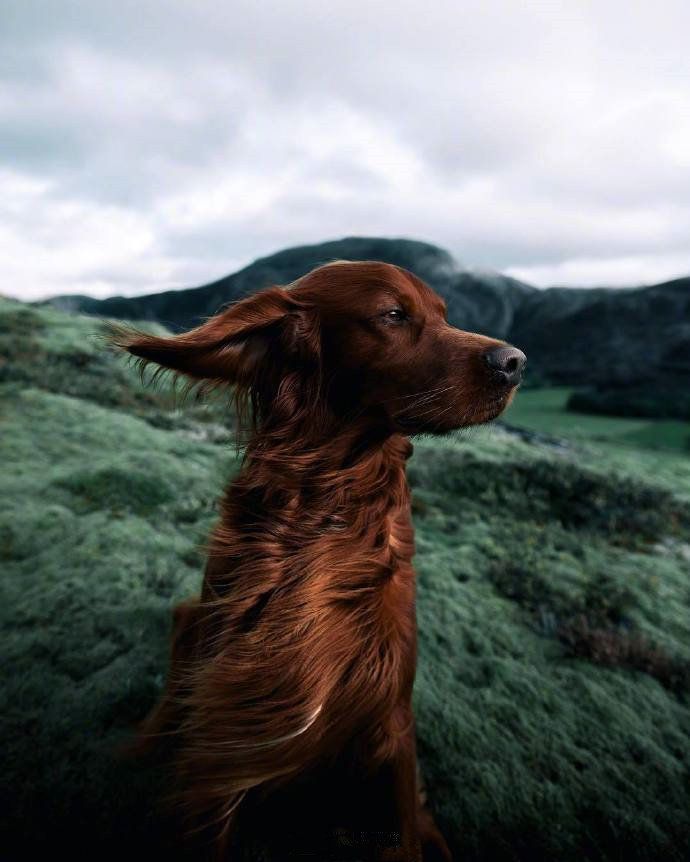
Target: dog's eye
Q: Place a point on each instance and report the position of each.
(395, 315)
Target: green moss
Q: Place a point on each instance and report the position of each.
(532, 748)
(118, 489)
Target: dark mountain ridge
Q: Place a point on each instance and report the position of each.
(571, 335)
(601, 335)
(475, 300)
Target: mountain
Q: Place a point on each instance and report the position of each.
(475, 300)
(604, 336)
(576, 336)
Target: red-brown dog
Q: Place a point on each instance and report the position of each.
(294, 669)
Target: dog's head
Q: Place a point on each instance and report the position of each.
(347, 339)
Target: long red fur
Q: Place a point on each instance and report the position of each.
(302, 643)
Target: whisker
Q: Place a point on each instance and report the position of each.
(421, 392)
(425, 398)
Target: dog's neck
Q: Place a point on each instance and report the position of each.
(332, 446)
(351, 484)
(353, 478)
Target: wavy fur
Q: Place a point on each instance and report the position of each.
(301, 649)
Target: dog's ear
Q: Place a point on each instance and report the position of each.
(230, 346)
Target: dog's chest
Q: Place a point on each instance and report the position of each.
(381, 623)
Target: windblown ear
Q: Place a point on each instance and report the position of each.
(228, 347)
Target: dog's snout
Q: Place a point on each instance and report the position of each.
(508, 362)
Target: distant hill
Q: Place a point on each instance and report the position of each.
(601, 335)
(572, 336)
(475, 300)
(663, 392)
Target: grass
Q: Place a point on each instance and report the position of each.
(552, 698)
(544, 411)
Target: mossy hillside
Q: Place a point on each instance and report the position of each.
(69, 355)
(86, 592)
(529, 750)
(552, 748)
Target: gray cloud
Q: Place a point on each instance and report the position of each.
(155, 144)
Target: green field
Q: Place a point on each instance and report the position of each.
(553, 690)
(544, 410)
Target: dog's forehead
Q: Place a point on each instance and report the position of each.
(361, 286)
(415, 297)
(407, 289)
(422, 298)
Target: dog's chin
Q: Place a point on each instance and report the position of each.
(493, 408)
(483, 412)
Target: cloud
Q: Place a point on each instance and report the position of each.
(606, 272)
(48, 243)
(149, 145)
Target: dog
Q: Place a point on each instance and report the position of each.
(292, 673)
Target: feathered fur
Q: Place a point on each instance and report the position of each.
(302, 644)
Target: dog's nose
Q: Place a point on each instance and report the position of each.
(508, 362)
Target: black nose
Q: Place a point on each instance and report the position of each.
(508, 362)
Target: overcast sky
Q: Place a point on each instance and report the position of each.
(147, 145)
